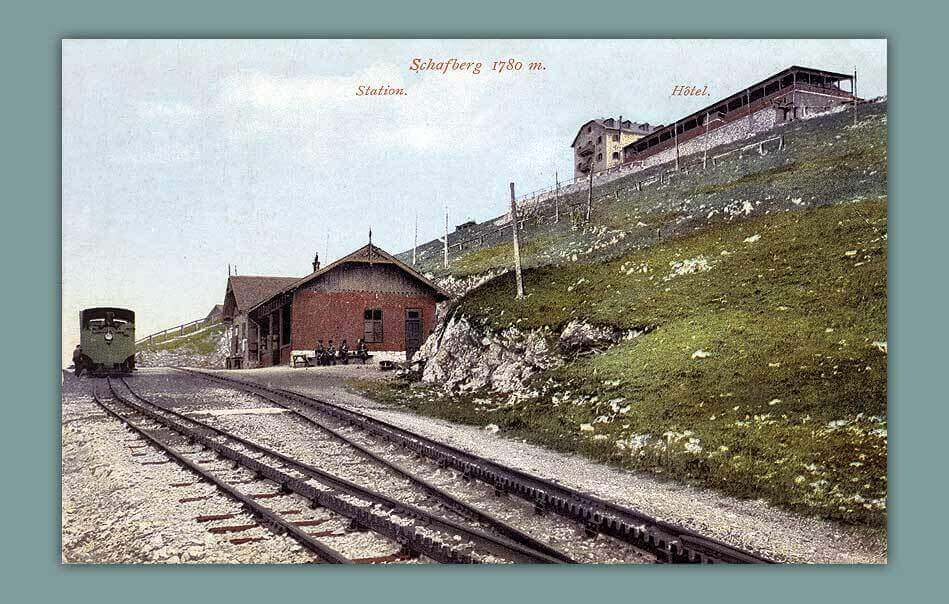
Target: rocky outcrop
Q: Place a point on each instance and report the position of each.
(579, 337)
(462, 356)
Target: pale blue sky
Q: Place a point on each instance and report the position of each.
(180, 157)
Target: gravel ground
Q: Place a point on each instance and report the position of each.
(121, 502)
(251, 417)
(120, 507)
(751, 524)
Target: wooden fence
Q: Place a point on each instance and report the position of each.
(660, 177)
(177, 331)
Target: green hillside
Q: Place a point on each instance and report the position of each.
(825, 160)
(762, 371)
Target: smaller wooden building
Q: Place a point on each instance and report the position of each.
(243, 293)
(367, 294)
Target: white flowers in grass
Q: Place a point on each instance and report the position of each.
(699, 264)
(701, 354)
(753, 239)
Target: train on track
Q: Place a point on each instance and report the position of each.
(107, 341)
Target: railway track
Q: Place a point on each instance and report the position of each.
(403, 531)
(668, 542)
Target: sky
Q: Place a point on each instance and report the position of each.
(183, 156)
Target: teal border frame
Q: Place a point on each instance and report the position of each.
(31, 252)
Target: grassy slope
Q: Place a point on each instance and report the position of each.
(790, 404)
(205, 341)
(826, 160)
(790, 323)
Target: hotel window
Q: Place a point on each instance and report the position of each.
(615, 154)
(372, 325)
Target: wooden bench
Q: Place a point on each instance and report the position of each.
(301, 356)
(308, 358)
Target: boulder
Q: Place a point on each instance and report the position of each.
(579, 336)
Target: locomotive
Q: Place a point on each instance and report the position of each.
(107, 341)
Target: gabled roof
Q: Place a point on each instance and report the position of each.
(216, 311)
(611, 124)
(367, 254)
(251, 290)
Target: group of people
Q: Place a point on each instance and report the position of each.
(330, 355)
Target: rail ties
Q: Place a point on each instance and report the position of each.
(402, 523)
(669, 542)
(449, 501)
(266, 516)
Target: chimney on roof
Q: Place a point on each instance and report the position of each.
(316, 262)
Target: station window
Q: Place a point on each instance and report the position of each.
(372, 325)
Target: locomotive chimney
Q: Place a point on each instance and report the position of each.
(316, 262)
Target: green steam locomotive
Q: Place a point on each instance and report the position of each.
(107, 341)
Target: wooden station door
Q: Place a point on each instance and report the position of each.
(413, 331)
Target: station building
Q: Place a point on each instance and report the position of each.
(243, 293)
(367, 294)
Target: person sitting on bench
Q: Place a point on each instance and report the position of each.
(331, 354)
(362, 351)
(344, 352)
(319, 352)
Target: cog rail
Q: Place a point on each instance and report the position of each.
(670, 543)
(265, 515)
(447, 499)
(342, 492)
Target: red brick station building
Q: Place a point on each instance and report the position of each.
(368, 294)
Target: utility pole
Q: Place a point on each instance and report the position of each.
(705, 150)
(415, 245)
(748, 104)
(446, 236)
(517, 246)
(590, 190)
(557, 198)
(853, 89)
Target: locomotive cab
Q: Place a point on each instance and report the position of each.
(107, 338)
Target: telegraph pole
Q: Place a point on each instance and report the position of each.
(446, 236)
(415, 245)
(853, 88)
(705, 150)
(517, 246)
(590, 191)
(557, 198)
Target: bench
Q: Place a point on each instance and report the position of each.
(308, 358)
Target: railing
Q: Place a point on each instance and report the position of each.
(177, 331)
